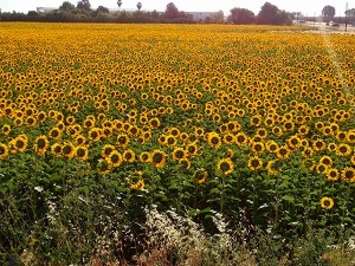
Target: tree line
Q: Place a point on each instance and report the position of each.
(269, 14)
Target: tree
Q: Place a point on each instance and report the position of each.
(102, 9)
(328, 12)
(67, 6)
(84, 4)
(241, 16)
(218, 17)
(139, 6)
(171, 11)
(350, 12)
(271, 15)
(267, 14)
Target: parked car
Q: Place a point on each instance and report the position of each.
(333, 24)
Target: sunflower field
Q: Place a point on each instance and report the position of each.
(99, 122)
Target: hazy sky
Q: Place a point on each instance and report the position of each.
(307, 7)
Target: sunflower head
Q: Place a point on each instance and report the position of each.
(200, 175)
(226, 166)
(327, 203)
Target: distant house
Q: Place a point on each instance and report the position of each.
(201, 16)
(46, 9)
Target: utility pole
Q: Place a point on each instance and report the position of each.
(346, 16)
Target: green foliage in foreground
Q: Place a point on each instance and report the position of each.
(58, 213)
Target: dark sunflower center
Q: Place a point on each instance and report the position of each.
(41, 143)
(255, 163)
(157, 158)
(114, 158)
(225, 167)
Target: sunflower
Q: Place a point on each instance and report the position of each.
(4, 151)
(174, 131)
(136, 183)
(255, 163)
(114, 159)
(348, 174)
(327, 203)
(80, 140)
(288, 126)
(241, 139)
(283, 152)
(293, 142)
(134, 131)
(184, 137)
(154, 123)
(95, 134)
(178, 154)
(199, 132)
(327, 131)
(41, 116)
(332, 147)
(192, 149)
(225, 165)
(200, 175)
(352, 160)
(328, 161)
(261, 132)
(18, 121)
(129, 156)
(19, 144)
(60, 126)
(214, 140)
(272, 146)
(321, 168)
(70, 120)
(89, 122)
(122, 140)
(350, 136)
(318, 144)
(158, 158)
(229, 153)
(273, 167)
(341, 135)
(269, 122)
(41, 145)
(68, 150)
(171, 140)
(57, 149)
(81, 153)
(6, 129)
(307, 152)
(255, 120)
(185, 163)
(106, 150)
(332, 174)
(31, 121)
(228, 138)
(277, 131)
(145, 157)
(343, 150)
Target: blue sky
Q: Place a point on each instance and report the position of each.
(307, 7)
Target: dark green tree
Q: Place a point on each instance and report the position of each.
(67, 6)
(267, 14)
(328, 12)
(139, 6)
(84, 4)
(241, 16)
(102, 9)
(218, 17)
(171, 11)
(271, 15)
(119, 3)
